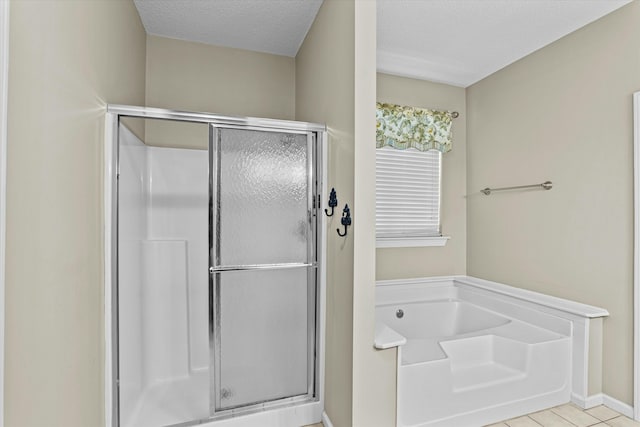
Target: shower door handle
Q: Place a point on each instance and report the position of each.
(261, 267)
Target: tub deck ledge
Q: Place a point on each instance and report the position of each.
(387, 338)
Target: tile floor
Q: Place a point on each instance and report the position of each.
(567, 415)
(570, 415)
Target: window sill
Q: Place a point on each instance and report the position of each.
(411, 242)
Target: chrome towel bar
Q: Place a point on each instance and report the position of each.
(547, 185)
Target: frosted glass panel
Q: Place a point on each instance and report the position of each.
(263, 335)
(262, 197)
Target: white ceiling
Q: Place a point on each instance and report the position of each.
(271, 26)
(462, 41)
(451, 41)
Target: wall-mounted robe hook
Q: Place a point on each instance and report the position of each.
(333, 202)
(346, 220)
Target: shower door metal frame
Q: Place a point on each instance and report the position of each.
(113, 115)
(314, 214)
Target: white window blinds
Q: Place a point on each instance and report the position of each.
(407, 193)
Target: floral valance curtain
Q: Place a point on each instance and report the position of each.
(410, 127)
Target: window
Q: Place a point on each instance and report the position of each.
(410, 142)
(408, 198)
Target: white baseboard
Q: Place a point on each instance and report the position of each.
(587, 402)
(618, 406)
(325, 420)
(603, 399)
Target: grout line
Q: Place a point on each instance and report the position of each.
(569, 421)
(610, 419)
(606, 423)
(534, 421)
(603, 421)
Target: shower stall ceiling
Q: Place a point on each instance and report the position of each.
(217, 293)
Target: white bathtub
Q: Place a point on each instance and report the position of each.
(426, 324)
(470, 356)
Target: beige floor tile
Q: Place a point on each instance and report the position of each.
(522, 422)
(550, 419)
(497, 425)
(602, 413)
(575, 415)
(315, 425)
(622, 421)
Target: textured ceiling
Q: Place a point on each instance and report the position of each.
(271, 26)
(462, 41)
(451, 41)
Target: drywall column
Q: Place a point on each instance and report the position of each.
(68, 59)
(4, 94)
(374, 371)
(325, 94)
(564, 114)
(335, 84)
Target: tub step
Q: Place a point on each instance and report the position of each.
(485, 361)
(483, 375)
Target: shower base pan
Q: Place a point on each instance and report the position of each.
(177, 402)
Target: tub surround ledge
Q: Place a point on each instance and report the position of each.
(387, 337)
(567, 306)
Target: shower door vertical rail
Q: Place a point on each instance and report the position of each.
(263, 267)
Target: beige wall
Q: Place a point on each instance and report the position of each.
(374, 371)
(563, 114)
(359, 381)
(67, 60)
(193, 76)
(398, 263)
(325, 94)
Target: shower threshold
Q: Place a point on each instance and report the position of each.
(171, 402)
(177, 402)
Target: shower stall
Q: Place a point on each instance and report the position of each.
(214, 269)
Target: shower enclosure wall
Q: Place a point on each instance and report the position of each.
(214, 272)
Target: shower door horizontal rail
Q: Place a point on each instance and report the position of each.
(261, 267)
(184, 116)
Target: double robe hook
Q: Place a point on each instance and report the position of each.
(333, 202)
(346, 212)
(345, 220)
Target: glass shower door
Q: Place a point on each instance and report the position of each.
(262, 266)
